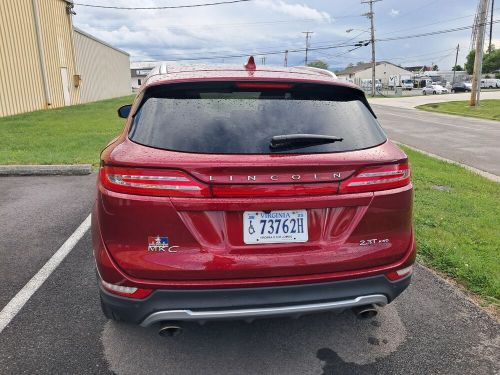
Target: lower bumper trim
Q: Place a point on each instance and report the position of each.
(169, 315)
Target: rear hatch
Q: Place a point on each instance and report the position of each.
(198, 190)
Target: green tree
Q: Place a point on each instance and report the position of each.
(469, 62)
(491, 61)
(318, 64)
(457, 68)
(435, 67)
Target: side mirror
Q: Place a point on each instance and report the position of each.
(124, 110)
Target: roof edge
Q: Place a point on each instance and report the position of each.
(80, 31)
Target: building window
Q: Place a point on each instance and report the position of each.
(139, 82)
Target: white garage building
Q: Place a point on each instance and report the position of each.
(383, 70)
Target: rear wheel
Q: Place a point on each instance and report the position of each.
(434, 92)
(424, 92)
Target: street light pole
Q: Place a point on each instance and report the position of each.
(370, 15)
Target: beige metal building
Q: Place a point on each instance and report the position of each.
(41, 62)
(105, 70)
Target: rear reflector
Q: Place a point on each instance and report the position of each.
(264, 85)
(126, 291)
(165, 183)
(399, 274)
(292, 190)
(377, 178)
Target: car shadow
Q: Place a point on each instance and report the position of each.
(329, 343)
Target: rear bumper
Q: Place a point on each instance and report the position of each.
(247, 303)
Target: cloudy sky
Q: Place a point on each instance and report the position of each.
(213, 34)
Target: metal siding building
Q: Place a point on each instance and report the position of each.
(38, 66)
(104, 70)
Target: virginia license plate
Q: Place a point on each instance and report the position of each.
(275, 226)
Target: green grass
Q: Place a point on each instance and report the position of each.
(458, 227)
(489, 108)
(60, 136)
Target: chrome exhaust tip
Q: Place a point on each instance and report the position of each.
(170, 331)
(365, 312)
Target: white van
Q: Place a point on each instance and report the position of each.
(490, 83)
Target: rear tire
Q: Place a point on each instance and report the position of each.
(434, 93)
(425, 93)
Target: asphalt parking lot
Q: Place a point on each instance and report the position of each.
(431, 329)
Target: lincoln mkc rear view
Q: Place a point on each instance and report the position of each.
(238, 192)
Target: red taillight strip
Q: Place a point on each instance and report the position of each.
(372, 178)
(154, 182)
(264, 85)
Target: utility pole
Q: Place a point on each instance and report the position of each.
(370, 15)
(455, 67)
(308, 33)
(285, 63)
(491, 24)
(478, 60)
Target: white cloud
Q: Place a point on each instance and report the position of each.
(394, 13)
(294, 10)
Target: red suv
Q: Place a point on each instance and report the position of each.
(237, 192)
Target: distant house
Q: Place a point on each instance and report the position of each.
(383, 70)
(139, 71)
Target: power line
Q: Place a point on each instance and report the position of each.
(431, 33)
(244, 54)
(163, 7)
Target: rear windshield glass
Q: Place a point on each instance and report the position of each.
(232, 118)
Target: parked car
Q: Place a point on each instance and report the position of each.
(244, 192)
(461, 87)
(434, 89)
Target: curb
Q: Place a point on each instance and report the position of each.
(46, 170)
(487, 175)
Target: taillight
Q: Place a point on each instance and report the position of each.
(155, 182)
(263, 85)
(126, 291)
(377, 178)
(399, 274)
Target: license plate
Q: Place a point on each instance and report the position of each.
(275, 226)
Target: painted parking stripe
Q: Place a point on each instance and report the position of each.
(16, 304)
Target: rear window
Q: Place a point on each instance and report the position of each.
(233, 118)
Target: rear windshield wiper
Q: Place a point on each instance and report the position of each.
(293, 141)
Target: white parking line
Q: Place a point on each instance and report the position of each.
(16, 304)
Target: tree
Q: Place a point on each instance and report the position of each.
(491, 61)
(457, 68)
(469, 62)
(318, 64)
(435, 67)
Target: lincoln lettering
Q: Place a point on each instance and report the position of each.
(293, 177)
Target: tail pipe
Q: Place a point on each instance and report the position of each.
(170, 330)
(365, 311)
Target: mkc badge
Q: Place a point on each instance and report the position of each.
(160, 244)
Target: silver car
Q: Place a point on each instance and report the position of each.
(434, 89)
